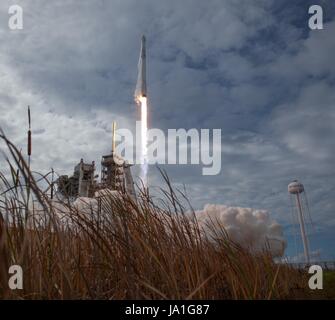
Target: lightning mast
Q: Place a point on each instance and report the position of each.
(29, 137)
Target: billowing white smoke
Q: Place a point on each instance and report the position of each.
(250, 228)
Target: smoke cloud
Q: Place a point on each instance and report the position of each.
(250, 228)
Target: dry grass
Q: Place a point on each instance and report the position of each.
(136, 251)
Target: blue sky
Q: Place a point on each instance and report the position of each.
(251, 68)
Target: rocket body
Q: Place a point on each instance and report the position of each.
(141, 86)
(141, 100)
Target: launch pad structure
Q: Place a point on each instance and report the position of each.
(81, 184)
(115, 176)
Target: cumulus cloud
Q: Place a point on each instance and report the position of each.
(307, 125)
(59, 140)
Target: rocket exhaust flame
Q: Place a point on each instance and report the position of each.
(144, 139)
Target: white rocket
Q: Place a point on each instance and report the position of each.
(141, 86)
(141, 100)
